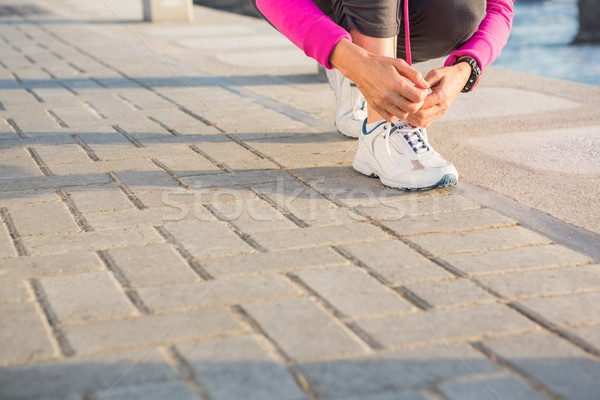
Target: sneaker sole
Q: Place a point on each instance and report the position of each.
(447, 180)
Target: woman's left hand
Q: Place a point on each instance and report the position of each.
(446, 83)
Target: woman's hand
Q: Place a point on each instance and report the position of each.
(391, 87)
(446, 83)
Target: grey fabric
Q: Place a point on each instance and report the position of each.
(437, 27)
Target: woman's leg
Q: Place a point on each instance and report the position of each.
(373, 25)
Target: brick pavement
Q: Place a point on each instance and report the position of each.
(153, 247)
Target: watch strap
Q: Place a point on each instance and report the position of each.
(475, 73)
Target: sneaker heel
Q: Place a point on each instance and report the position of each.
(363, 168)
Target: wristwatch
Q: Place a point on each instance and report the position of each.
(475, 73)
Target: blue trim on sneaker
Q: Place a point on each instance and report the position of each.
(364, 127)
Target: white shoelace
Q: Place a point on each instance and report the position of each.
(411, 134)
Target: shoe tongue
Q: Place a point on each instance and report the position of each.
(406, 134)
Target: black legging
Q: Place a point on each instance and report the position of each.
(437, 27)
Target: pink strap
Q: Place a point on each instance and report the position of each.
(407, 34)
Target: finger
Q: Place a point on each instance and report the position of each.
(433, 77)
(435, 97)
(411, 74)
(425, 117)
(408, 91)
(402, 105)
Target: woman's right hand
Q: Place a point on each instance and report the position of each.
(391, 87)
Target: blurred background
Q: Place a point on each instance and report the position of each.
(541, 43)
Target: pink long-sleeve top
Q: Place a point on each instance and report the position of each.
(311, 30)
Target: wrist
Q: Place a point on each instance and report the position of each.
(347, 57)
(475, 72)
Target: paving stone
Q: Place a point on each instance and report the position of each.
(119, 148)
(237, 367)
(357, 190)
(147, 180)
(14, 292)
(273, 262)
(198, 197)
(253, 215)
(303, 330)
(414, 207)
(563, 368)
(545, 282)
(564, 310)
(189, 165)
(43, 219)
(182, 122)
(152, 265)
(493, 387)
(394, 371)
(16, 168)
(353, 292)
(508, 260)
(293, 196)
(23, 336)
(223, 291)
(396, 262)
(341, 158)
(140, 128)
(303, 145)
(145, 99)
(450, 222)
(154, 391)
(389, 395)
(102, 167)
(318, 236)
(229, 151)
(35, 124)
(76, 117)
(331, 216)
(151, 329)
(105, 198)
(236, 178)
(450, 293)
(146, 217)
(45, 182)
(478, 240)
(59, 379)
(432, 327)
(87, 241)
(35, 267)
(205, 239)
(61, 154)
(98, 296)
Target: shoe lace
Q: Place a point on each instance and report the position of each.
(413, 136)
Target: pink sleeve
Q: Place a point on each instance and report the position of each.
(305, 25)
(485, 45)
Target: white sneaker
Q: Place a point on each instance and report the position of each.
(351, 107)
(401, 156)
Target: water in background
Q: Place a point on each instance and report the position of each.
(540, 43)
